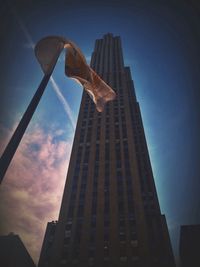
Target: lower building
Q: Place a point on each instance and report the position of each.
(189, 245)
(13, 252)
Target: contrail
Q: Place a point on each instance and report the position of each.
(23, 28)
(63, 101)
(55, 86)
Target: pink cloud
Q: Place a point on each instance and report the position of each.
(31, 192)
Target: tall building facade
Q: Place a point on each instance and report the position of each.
(110, 214)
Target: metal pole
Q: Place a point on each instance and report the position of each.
(21, 128)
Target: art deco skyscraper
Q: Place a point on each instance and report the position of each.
(110, 214)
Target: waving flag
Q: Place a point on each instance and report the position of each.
(47, 52)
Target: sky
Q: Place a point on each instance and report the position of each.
(160, 41)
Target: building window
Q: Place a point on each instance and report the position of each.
(122, 235)
(93, 221)
(80, 210)
(106, 234)
(89, 132)
(106, 206)
(91, 261)
(116, 131)
(135, 258)
(67, 233)
(123, 259)
(83, 123)
(120, 190)
(134, 243)
(91, 251)
(77, 170)
(106, 182)
(122, 223)
(63, 262)
(106, 250)
(124, 131)
(107, 109)
(71, 211)
(99, 120)
(107, 134)
(107, 152)
(94, 208)
(75, 254)
(106, 221)
(98, 133)
(92, 234)
(91, 114)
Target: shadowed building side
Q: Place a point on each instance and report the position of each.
(47, 244)
(189, 245)
(110, 214)
(13, 252)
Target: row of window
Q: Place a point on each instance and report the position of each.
(140, 144)
(106, 259)
(95, 195)
(104, 61)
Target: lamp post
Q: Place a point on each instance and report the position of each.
(21, 128)
(47, 52)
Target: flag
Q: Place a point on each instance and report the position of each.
(47, 52)
(76, 67)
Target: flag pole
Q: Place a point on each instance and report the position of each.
(21, 128)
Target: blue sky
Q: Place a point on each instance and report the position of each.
(160, 43)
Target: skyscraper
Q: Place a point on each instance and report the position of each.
(110, 214)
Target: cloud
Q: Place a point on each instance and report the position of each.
(88, 59)
(31, 192)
